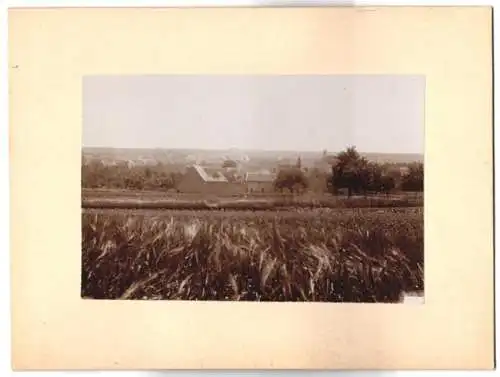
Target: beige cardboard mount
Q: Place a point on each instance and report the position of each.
(50, 50)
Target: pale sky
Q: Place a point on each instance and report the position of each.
(383, 114)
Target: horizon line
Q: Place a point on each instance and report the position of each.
(249, 149)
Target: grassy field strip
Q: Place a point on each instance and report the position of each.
(249, 204)
(184, 214)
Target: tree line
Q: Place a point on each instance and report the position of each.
(354, 174)
(95, 174)
(351, 173)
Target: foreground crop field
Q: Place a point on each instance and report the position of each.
(336, 255)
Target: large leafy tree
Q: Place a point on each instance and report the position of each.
(351, 172)
(356, 174)
(292, 179)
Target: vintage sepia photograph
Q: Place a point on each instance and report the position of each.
(253, 188)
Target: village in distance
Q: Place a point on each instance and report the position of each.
(343, 226)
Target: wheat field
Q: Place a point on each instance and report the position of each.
(333, 255)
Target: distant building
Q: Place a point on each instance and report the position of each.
(260, 182)
(224, 182)
(299, 163)
(108, 162)
(197, 180)
(397, 171)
